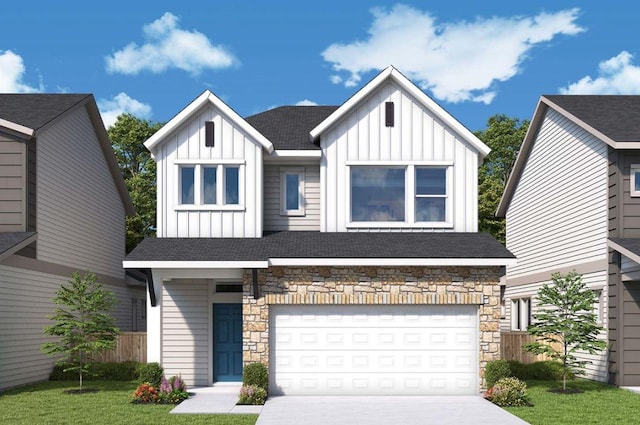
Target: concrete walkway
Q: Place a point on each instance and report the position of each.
(384, 410)
(221, 398)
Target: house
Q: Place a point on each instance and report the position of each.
(338, 245)
(572, 203)
(62, 209)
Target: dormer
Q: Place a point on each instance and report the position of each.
(210, 172)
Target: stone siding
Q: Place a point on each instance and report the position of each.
(371, 285)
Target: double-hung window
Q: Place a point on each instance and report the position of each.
(520, 314)
(410, 194)
(210, 185)
(292, 191)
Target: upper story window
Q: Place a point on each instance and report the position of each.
(413, 194)
(520, 314)
(210, 185)
(634, 188)
(597, 305)
(292, 191)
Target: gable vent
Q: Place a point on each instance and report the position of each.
(208, 134)
(388, 114)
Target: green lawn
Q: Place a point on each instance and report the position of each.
(46, 403)
(599, 404)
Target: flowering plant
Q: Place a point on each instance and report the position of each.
(172, 391)
(252, 394)
(145, 393)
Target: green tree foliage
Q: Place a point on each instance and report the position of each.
(566, 323)
(83, 324)
(503, 135)
(139, 171)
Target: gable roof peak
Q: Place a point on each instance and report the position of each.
(206, 97)
(391, 73)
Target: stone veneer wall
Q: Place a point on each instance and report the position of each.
(371, 285)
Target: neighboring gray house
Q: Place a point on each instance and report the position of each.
(62, 209)
(338, 245)
(573, 203)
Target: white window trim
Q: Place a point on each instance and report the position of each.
(632, 171)
(198, 189)
(409, 195)
(284, 171)
(524, 313)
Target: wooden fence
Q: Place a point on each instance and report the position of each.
(511, 347)
(131, 346)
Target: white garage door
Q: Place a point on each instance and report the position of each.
(373, 349)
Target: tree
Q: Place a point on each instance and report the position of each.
(83, 324)
(503, 135)
(566, 320)
(139, 171)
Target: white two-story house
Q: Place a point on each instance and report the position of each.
(337, 245)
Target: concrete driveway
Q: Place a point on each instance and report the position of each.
(383, 410)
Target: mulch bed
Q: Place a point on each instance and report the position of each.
(82, 391)
(567, 391)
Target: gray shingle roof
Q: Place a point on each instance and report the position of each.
(10, 239)
(618, 117)
(36, 110)
(288, 127)
(321, 245)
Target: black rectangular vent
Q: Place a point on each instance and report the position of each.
(208, 134)
(388, 114)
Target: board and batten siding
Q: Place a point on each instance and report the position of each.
(416, 136)
(80, 215)
(13, 181)
(597, 281)
(187, 143)
(558, 213)
(25, 305)
(185, 330)
(273, 220)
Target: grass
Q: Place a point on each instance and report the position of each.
(599, 404)
(46, 403)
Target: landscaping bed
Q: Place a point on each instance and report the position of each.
(48, 403)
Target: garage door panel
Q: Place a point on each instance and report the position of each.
(374, 349)
(372, 338)
(398, 383)
(378, 361)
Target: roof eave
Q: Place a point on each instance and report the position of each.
(18, 246)
(408, 85)
(15, 127)
(207, 96)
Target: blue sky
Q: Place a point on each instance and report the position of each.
(474, 58)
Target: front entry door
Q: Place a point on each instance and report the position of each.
(227, 342)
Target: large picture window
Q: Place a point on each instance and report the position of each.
(406, 194)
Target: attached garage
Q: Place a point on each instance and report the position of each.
(373, 349)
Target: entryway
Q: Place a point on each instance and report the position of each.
(227, 342)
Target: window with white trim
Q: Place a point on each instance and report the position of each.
(520, 314)
(292, 191)
(412, 194)
(209, 184)
(634, 187)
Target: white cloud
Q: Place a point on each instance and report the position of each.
(119, 104)
(456, 61)
(617, 75)
(12, 71)
(306, 102)
(169, 46)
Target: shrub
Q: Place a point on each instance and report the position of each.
(145, 393)
(255, 374)
(547, 371)
(509, 392)
(151, 373)
(252, 394)
(518, 370)
(172, 390)
(496, 370)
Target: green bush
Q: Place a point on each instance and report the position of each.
(151, 373)
(108, 371)
(252, 394)
(496, 370)
(519, 370)
(509, 392)
(255, 374)
(546, 371)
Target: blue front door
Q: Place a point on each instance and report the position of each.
(227, 342)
